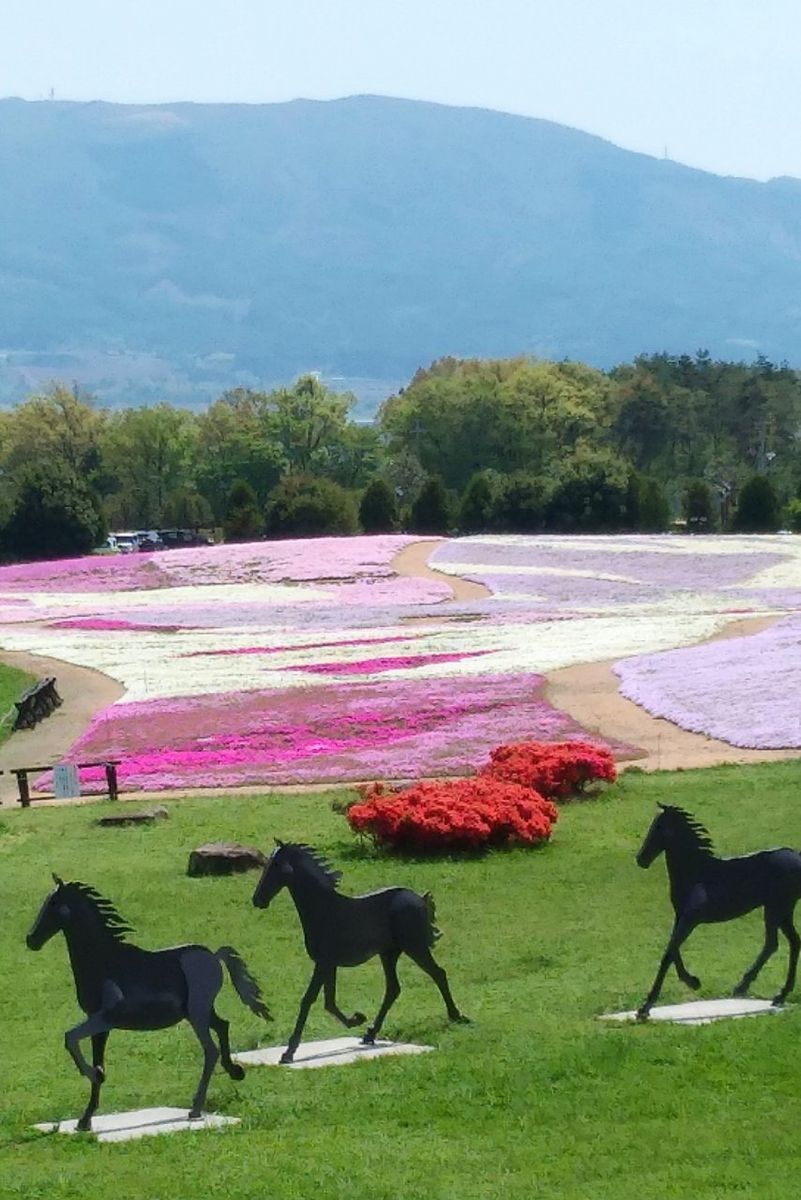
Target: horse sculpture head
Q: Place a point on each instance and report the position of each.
(294, 861)
(673, 829)
(52, 916)
(75, 906)
(276, 874)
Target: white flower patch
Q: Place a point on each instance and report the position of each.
(139, 602)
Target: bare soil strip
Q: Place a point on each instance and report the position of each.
(590, 694)
(412, 561)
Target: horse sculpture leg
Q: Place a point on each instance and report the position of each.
(221, 1027)
(389, 961)
(791, 933)
(769, 947)
(692, 981)
(204, 978)
(681, 931)
(309, 997)
(330, 995)
(94, 1026)
(426, 961)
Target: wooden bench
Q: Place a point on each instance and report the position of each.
(22, 773)
(37, 702)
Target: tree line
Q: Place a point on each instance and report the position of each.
(470, 445)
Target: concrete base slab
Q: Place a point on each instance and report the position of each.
(331, 1053)
(142, 1122)
(700, 1012)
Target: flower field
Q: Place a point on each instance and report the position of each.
(305, 661)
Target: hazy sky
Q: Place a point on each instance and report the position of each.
(714, 83)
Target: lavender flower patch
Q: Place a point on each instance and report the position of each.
(744, 691)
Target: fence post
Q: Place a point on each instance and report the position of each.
(111, 780)
(24, 790)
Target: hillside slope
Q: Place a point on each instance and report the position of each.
(176, 249)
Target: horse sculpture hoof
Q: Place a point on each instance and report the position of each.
(461, 1019)
(195, 1114)
(236, 1071)
(368, 1039)
(643, 1013)
(358, 1018)
(84, 1125)
(693, 982)
(287, 1056)
(778, 1001)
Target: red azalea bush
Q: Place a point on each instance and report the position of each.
(554, 769)
(453, 814)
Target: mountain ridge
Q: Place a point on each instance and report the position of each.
(176, 249)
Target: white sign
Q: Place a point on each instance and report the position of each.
(65, 781)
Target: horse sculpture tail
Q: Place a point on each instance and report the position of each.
(431, 912)
(247, 989)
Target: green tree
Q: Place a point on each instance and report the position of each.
(187, 509)
(757, 507)
(59, 428)
(149, 453)
(309, 423)
(56, 514)
(431, 511)
(378, 509)
(302, 506)
(243, 520)
(236, 440)
(521, 503)
(591, 492)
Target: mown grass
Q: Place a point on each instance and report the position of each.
(12, 684)
(536, 1098)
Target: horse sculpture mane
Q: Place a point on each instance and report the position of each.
(110, 916)
(323, 869)
(700, 834)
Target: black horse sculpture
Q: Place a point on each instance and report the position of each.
(705, 889)
(120, 986)
(344, 931)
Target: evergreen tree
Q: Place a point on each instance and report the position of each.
(698, 507)
(654, 508)
(242, 521)
(431, 510)
(757, 508)
(378, 510)
(475, 513)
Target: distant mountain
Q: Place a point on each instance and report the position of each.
(171, 251)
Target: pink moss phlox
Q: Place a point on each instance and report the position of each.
(354, 731)
(301, 646)
(371, 666)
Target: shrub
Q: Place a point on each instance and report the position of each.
(305, 506)
(556, 770)
(454, 814)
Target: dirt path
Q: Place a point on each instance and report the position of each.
(413, 561)
(590, 694)
(84, 692)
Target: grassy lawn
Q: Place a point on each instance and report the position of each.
(12, 684)
(536, 1098)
